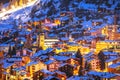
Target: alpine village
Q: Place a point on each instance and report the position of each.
(59, 39)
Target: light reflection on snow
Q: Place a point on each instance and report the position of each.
(4, 12)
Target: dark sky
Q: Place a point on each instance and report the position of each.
(4, 1)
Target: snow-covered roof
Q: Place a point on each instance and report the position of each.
(110, 19)
(63, 64)
(87, 24)
(49, 50)
(39, 53)
(75, 32)
(22, 39)
(5, 26)
(110, 53)
(112, 56)
(76, 18)
(42, 52)
(43, 57)
(102, 74)
(6, 45)
(87, 6)
(52, 35)
(20, 68)
(80, 78)
(59, 72)
(7, 64)
(115, 65)
(49, 62)
(64, 18)
(61, 58)
(36, 19)
(63, 33)
(15, 59)
(97, 20)
(46, 71)
(64, 39)
(73, 43)
(32, 63)
(51, 78)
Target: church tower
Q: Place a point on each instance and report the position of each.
(40, 41)
(40, 38)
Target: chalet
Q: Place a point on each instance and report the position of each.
(35, 66)
(52, 65)
(110, 58)
(92, 59)
(9, 66)
(67, 68)
(39, 75)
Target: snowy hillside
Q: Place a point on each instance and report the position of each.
(16, 15)
(47, 8)
(52, 8)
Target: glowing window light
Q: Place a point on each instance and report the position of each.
(12, 6)
(3, 9)
(29, 0)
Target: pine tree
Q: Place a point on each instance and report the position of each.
(101, 58)
(14, 51)
(10, 51)
(79, 56)
(80, 73)
(87, 66)
(11, 70)
(41, 77)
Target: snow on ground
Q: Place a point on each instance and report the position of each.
(2, 14)
(5, 27)
(20, 14)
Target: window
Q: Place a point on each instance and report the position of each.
(33, 67)
(52, 66)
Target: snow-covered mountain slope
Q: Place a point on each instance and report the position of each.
(52, 8)
(16, 15)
